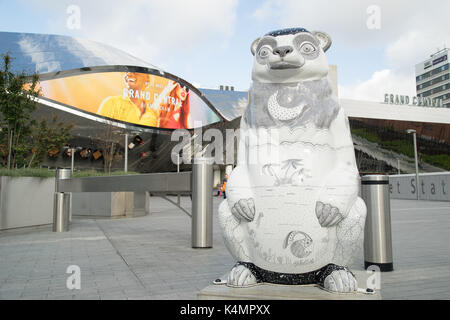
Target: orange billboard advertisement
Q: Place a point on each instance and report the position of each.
(132, 97)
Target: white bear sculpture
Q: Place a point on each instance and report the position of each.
(292, 213)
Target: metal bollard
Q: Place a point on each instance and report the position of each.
(62, 174)
(202, 202)
(61, 211)
(377, 232)
(62, 204)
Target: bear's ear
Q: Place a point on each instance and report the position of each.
(324, 39)
(254, 45)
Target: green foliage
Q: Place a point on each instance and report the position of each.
(17, 102)
(405, 147)
(28, 140)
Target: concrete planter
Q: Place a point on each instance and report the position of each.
(110, 204)
(26, 202)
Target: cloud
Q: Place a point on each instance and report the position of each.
(346, 20)
(149, 29)
(267, 11)
(44, 60)
(381, 82)
(416, 46)
(409, 32)
(402, 55)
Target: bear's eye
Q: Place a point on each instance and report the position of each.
(307, 48)
(264, 52)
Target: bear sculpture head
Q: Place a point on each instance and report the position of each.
(290, 80)
(290, 55)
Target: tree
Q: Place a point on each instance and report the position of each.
(17, 102)
(23, 141)
(108, 143)
(48, 136)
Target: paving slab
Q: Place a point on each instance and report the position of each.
(150, 257)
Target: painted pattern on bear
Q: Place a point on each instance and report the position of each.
(292, 206)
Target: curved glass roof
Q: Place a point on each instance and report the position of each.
(43, 53)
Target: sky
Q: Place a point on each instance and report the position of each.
(376, 43)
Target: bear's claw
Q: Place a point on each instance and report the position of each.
(341, 281)
(241, 276)
(328, 216)
(244, 209)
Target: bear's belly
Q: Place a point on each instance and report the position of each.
(285, 235)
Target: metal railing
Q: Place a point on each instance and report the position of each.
(151, 182)
(159, 184)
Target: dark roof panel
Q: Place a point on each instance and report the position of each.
(230, 104)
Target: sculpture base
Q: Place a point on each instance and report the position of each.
(284, 292)
(384, 267)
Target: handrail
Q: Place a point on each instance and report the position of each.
(199, 183)
(151, 182)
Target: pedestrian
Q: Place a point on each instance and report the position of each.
(224, 184)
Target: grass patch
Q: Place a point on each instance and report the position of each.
(440, 160)
(27, 172)
(369, 136)
(93, 173)
(45, 173)
(399, 146)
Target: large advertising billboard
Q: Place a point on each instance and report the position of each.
(132, 97)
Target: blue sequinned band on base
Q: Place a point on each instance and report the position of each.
(283, 32)
(313, 277)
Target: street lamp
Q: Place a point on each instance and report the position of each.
(126, 153)
(72, 160)
(10, 147)
(126, 148)
(409, 131)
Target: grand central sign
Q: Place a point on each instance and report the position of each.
(415, 101)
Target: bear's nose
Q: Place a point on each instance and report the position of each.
(283, 50)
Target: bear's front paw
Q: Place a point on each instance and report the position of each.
(342, 281)
(241, 276)
(328, 215)
(244, 209)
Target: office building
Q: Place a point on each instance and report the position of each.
(432, 78)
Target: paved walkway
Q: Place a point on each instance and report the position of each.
(151, 257)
